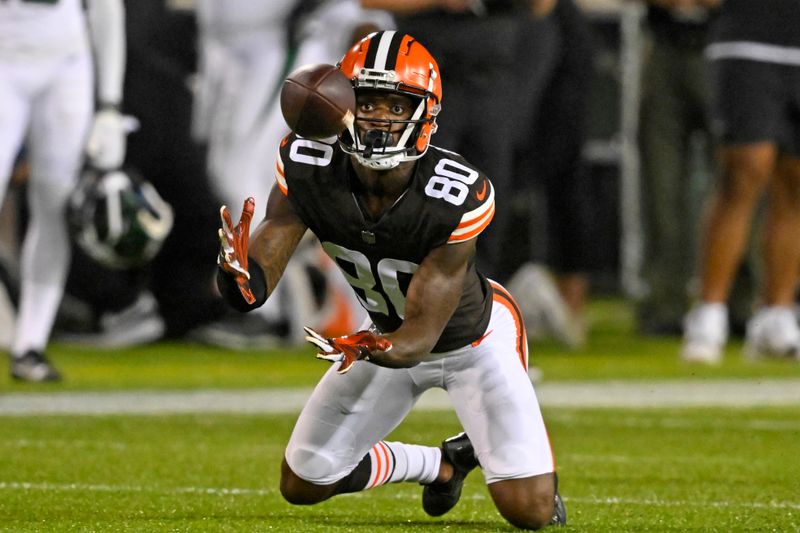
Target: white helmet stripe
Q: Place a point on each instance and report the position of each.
(383, 50)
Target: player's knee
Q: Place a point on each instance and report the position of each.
(532, 515)
(527, 503)
(296, 494)
(298, 491)
(50, 191)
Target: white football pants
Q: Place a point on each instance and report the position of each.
(486, 381)
(46, 103)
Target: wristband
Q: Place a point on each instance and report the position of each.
(229, 289)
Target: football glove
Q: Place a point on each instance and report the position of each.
(234, 241)
(348, 349)
(107, 139)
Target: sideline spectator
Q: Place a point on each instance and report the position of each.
(755, 57)
(676, 153)
(556, 77)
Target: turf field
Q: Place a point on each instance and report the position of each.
(658, 468)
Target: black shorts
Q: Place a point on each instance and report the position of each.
(757, 102)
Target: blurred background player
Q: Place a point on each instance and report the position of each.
(46, 102)
(755, 59)
(168, 296)
(246, 50)
(243, 53)
(675, 144)
(552, 193)
(475, 43)
(537, 54)
(162, 60)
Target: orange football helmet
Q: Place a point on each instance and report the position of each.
(392, 61)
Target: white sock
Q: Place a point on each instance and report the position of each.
(393, 462)
(38, 307)
(45, 257)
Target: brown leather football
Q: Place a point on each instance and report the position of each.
(317, 101)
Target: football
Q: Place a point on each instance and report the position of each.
(318, 101)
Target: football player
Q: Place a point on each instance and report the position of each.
(46, 92)
(400, 217)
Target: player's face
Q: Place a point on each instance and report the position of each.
(376, 108)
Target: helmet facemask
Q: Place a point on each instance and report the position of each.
(377, 149)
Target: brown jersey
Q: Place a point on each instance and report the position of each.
(447, 201)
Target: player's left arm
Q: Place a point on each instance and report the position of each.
(433, 296)
(107, 143)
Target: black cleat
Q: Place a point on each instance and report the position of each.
(438, 498)
(559, 512)
(33, 367)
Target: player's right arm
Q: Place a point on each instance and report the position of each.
(263, 256)
(106, 144)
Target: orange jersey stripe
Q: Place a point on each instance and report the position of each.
(461, 237)
(473, 222)
(280, 173)
(468, 222)
(478, 213)
(502, 297)
(478, 219)
(280, 179)
(283, 189)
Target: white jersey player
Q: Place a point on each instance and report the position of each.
(246, 52)
(245, 56)
(46, 104)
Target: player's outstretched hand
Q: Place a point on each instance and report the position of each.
(234, 241)
(348, 349)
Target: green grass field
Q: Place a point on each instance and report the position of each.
(626, 469)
